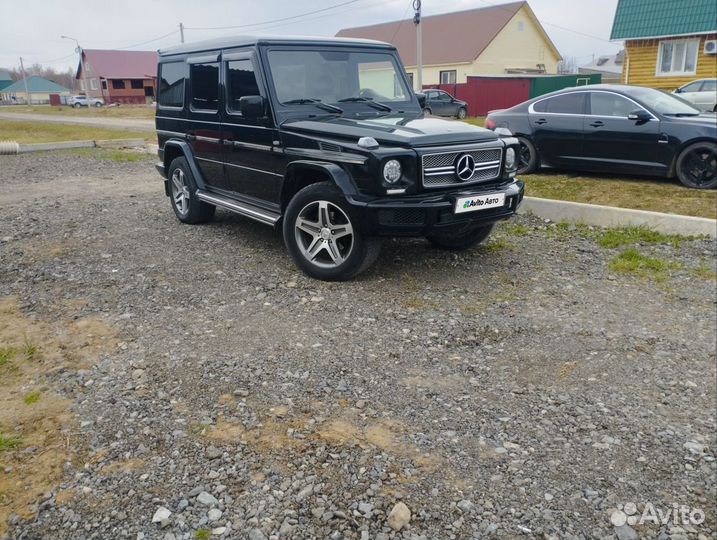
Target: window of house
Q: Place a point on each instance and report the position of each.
(448, 77)
(573, 103)
(104, 84)
(136, 84)
(521, 26)
(607, 104)
(93, 84)
(205, 86)
(171, 84)
(118, 84)
(241, 81)
(410, 79)
(677, 57)
(82, 85)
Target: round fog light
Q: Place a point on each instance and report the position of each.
(392, 171)
(509, 158)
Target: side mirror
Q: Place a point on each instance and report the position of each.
(640, 115)
(421, 99)
(252, 106)
(678, 91)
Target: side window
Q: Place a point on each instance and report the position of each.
(442, 96)
(566, 104)
(709, 85)
(605, 104)
(241, 81)
(205, 86)
(171, 84)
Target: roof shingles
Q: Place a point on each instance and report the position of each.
(449, 38)
(635, 19)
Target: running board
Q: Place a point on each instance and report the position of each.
(250, 211)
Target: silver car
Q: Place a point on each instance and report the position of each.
(83, 101)
(701, 93)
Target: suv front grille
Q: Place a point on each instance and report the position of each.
(439, 169)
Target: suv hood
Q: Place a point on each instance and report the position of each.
(399, 131)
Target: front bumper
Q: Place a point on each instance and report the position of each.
(427, 213)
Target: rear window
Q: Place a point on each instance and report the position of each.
(573, 103)
(171, 84)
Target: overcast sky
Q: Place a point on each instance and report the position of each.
(579, 28)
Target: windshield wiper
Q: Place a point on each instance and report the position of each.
(370, 102)
(317, 102)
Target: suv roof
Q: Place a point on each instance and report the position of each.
(241, 41)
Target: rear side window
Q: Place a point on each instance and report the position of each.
(205, 86)
(171, 84)
(709, 86)
(241, 81)
(573, 103)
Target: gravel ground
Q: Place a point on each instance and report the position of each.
(519, 390)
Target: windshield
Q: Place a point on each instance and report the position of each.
(664, 103)
(333, 76)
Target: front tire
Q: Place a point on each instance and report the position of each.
(697, 165)
(461, 238)
(528, 159)
(183, 194)
(462, 113)
(321, 234)
(77, 105)
(427, 111)
(98, 104)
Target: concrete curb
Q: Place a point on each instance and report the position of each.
(609, 216)
(111, 143)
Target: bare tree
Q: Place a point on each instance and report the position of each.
(568, 64)
(63, 78)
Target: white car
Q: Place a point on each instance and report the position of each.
(701, 93)
(82, 101)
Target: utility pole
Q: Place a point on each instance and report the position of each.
(82, 67)
(24, 78)
(419, 45)
(181, 32)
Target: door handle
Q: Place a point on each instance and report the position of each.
(541, 121)
(597, 124)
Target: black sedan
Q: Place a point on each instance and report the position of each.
(440, 103)
(614, 128)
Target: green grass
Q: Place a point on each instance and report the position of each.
(640, 193)
(496, 244)
(29, 349)
(37, 132)
(633, 262)
(6, 354)
(515, 229)
(112, 154)
(704, 271)
(202, 534)
(123, 111)
(8, 442)
(621, 236)
(475, 120)
(564, 230)
(32, 398)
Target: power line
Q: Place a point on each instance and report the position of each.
(148, 41)
(292, 17)
(403, 18)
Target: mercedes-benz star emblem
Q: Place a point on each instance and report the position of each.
(465, 166)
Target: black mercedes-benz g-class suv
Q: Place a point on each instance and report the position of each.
(324, 138)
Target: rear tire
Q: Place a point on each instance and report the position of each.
(321, 233)
(98, 104)
(461, 238)
(77, 105)
(696, 166)
(427, 111)
(528, 159)
(183, 194)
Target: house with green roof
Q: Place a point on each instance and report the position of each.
(668, 43)
(5, 78)
(39, 89)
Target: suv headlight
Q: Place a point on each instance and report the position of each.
(392, 171)
(510, 158)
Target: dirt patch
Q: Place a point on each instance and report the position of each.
(31, 414)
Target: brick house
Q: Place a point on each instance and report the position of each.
(120, 76)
